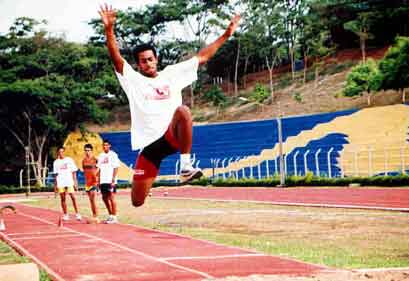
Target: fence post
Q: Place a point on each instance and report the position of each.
(285, 164)
(238, 169)
(223, 167)
(176, 169)
(21, 178)
(259, 170)
(267, 169)
(251, 167)
(317, 166)
(228, 163)
(305, 162)
(216, 167)
(329, 162)
(275, 166)
(295, 162)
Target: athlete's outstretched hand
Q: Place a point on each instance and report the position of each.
(234, 22)
(108, 15)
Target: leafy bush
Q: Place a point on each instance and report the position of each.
(395, 65)
(260, 93)
(364, 77)
(297, 97)
(215, 95)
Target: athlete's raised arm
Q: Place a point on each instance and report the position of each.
(108, 17)
(207, 52)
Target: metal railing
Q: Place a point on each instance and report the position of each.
(324, 162)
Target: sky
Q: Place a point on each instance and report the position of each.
(67, 17)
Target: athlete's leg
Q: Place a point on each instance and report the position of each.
(181, 128)
(105, 198)
(181, 132)
(63, 203)
(140, 190)
(112, 202)
(74, 202)
(91, 196)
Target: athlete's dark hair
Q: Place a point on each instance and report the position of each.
(106, 141)
(61, 147)
(88, 145)
(141, 48)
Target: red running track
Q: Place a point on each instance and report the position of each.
(100, 252)
(394, 199)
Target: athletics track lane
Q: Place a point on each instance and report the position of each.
(88, 252)
(394, 199)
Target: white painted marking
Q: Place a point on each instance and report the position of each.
(15, 200)
(214, 257)
(46, 237)
(36, 233)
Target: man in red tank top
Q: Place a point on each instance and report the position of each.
(89, 165)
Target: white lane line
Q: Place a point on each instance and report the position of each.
(214, 257)
(36, 233)
(46, 237)
(381, 269)
(125, 248)
(283, 203)
(24, 252)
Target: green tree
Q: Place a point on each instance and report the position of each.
(364, 77)
(48, 88)
(394, 67)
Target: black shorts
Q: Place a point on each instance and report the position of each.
(149, 159)
(107, 188)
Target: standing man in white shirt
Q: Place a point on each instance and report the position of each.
(108, 164)
(160, 124)
(65, 173)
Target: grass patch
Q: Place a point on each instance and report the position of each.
(9, 256)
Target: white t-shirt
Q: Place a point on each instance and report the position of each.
(107, 162)
(153, 101)
(64, 168)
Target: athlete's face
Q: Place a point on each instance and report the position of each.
(88, 152)
(60, 153)
(106, 146)
(147, 63)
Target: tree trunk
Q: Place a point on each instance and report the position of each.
(292, 62)
(363, 47)
(246, 61)
(316, 76)
(305, 68)
(270, 68)
(403, 96)
(236, 70)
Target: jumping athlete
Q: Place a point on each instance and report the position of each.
(160, 124)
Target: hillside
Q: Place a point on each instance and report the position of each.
(295, 99)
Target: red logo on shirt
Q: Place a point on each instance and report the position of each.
(160, 93)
